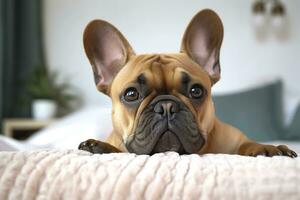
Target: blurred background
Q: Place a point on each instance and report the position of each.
(45, 74)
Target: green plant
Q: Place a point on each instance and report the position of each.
(43, 84)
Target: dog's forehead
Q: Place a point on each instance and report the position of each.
(162, 69)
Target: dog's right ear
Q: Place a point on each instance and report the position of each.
(202, 42)
(107, 50)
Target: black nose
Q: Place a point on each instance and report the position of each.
(166, 108)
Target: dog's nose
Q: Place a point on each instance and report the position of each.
(166, 108)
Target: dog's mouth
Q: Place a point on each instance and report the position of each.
(178, 137)
(168, 141)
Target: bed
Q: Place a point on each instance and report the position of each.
(48, 166)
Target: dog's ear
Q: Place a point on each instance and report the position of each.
(108, 51)
(202, 42)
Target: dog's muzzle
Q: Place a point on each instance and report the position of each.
(166, 124)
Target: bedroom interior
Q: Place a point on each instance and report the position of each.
(49, 102)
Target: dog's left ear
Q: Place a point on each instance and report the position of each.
(202, 42)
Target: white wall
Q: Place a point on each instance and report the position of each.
(157, 26)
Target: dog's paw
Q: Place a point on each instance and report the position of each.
(254, 149)
(90, 145)
(96, 146)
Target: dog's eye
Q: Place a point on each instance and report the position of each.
(196, 91)
(131, 94)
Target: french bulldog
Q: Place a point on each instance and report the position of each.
(163, 102)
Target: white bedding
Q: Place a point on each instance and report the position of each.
(68, 174)
(68, 132)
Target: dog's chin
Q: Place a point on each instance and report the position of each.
(168, 141)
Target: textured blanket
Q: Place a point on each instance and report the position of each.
(72, 174)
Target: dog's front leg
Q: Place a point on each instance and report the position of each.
(228, 139)
(96, 146)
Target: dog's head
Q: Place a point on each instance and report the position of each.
(161, 102)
